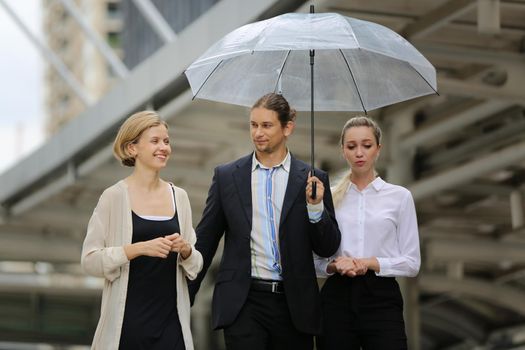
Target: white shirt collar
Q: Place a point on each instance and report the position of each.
(285, 163)
(377, 184)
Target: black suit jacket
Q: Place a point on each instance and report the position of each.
(229, 211)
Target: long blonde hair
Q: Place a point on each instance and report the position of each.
(339, 190)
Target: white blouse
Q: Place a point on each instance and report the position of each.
(379, 221)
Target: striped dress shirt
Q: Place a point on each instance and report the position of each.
(268, 190)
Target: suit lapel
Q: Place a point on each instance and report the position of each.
(296, 184)
(242, 177)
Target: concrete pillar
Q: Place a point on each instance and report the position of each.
(489, 18)
(516, 209)
(455, 270)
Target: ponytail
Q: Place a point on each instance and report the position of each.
(338, 191)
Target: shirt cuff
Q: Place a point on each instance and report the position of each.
(322, 267)
(384, 267)
(315, 211)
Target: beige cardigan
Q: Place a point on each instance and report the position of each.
(109, 229)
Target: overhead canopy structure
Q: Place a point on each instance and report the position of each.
(462, 154)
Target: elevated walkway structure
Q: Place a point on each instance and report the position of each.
(462, 154)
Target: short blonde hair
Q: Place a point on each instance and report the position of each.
(130, 132)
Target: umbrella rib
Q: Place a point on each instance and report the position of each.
(422, 77)
(353, 79)
(281, 70)
(206, 80)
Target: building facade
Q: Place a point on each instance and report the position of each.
(66, 39)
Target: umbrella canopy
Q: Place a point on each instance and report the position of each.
(359, 65)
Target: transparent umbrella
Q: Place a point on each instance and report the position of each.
(359, 65)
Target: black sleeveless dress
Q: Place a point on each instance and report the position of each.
(151, 321)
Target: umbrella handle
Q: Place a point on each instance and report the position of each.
(314, 185)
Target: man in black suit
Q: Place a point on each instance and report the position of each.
(266, 294)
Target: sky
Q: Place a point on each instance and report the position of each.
(21, 84)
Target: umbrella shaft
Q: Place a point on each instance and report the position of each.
(312, 56)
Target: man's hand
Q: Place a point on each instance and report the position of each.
(319, 193)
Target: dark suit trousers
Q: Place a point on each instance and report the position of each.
(264, 323)
(364, 312)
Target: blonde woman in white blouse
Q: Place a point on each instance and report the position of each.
(140, 240)
(362, 303)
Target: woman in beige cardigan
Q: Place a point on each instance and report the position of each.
(140, 239)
